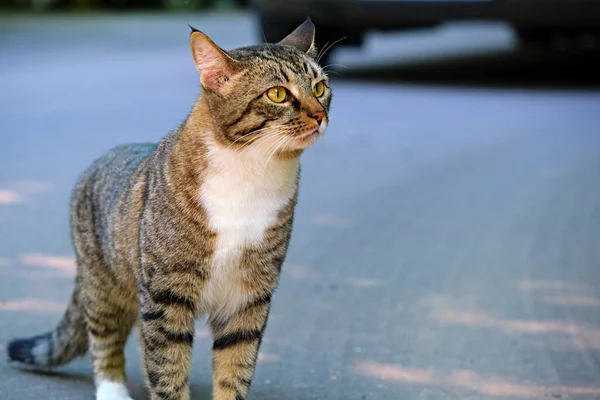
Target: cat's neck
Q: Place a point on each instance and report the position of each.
(199, 130)
(198, 156)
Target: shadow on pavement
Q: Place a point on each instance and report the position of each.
(138, 389)
(513, 69)
(54, 374)
(204, 391)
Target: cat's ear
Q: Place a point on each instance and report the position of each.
(303, 38)
(215, 65)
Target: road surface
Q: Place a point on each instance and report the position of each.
(447, 235)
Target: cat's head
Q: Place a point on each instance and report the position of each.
(270, 96)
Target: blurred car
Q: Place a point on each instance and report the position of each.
(536, 22)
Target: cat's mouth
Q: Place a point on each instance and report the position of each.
(310, 134)
(307, 139)
(314, 133)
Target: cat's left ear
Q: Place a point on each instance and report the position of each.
(215, 65)
(303, 38)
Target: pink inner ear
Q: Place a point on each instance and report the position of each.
(214, 65)
(210, 69)
(212, 78)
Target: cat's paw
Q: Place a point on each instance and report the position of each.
(112, 391)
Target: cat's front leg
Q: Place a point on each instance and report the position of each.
(168, 311)
(235, 349)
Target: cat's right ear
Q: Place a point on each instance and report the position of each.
(303, 38)
(214, 64)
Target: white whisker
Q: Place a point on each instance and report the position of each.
(327, 48)
(339, 65)
(321, 51)
(245, 136)
(264, 137)
(273, 146)
(279, 144)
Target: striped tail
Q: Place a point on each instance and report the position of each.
(58, 347)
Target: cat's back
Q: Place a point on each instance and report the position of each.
(113, 171)
(122, 160)
(106, 182)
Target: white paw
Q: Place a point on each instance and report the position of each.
(108, 390)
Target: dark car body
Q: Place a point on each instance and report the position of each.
(534, 20)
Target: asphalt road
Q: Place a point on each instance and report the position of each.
(446, 244)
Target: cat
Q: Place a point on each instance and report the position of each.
(197, 224)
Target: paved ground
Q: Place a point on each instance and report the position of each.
(446, 244)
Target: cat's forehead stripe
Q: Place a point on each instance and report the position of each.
(294, 67)
(280, 55)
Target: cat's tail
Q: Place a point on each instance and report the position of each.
(68, 340)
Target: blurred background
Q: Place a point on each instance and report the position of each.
(446, 244)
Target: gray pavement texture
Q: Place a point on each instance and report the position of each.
(446, 244)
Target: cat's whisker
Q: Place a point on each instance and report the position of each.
(339, 65)
(253, 133)
(327, 48)
(263, 137)
(279, 133)
(278, 144)
(333, 71)
(245, 135)
(276, 129)
(275, 144)
(321, 51)
(266, 130)
(263, 165)
(263, 35)
(235, 141)
(281, 144)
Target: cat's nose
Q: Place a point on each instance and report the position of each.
(318, 115)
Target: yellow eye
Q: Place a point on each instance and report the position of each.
(319, 89)
(277, 94)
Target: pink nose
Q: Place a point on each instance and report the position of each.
(318, 115)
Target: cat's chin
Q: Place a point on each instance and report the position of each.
(309, 138)
(305, 140)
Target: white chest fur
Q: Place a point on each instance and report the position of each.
(242, 197)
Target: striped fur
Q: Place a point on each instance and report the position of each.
(197, 224)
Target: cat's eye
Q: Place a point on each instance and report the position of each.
(319, 89)
(277, 94)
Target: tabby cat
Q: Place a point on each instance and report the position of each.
(198, 224)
